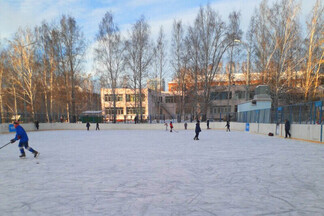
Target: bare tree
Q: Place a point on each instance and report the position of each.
(208, 43)
(72, 48)
(179, 62)
(276, 33)
(48, 64)
(234, 33)
(109, 54)
(139, 55)
(24, 67)
(2, 70)
(160, 59)
(314, 56)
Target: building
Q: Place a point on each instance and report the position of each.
(258, 109)
(155, 105)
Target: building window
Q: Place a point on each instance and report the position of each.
(110, 97)
(170, 99)
(220, 109)
(132, 110)
(220, 95)
(119, 111)
(131, 98)
(240, 94)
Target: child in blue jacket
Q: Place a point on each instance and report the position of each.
(22, 136)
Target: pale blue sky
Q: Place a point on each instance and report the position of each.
(88, 13)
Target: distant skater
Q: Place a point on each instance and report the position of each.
(88, 125)
(228, 126)
(37, 124)
(185, 125)
(208, 124)
(23, 143)
(97, 126)
(166, 126)
(171, 126)
(197, 130)
(287, 128)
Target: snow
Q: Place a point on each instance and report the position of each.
(161, 173)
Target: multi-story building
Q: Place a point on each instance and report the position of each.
(224, 98)
(155, 105)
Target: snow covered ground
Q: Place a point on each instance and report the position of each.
(161, 173)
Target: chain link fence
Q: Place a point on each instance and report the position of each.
(303, 113)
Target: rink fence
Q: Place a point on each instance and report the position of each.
(299, 131)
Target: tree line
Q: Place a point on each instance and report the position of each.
(42, 70)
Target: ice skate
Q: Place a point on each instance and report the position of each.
(36, 154)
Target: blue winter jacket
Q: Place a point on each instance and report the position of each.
(21, 134)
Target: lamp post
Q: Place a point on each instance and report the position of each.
(247, 93)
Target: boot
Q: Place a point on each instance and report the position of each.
(22, 156)
(36, 154)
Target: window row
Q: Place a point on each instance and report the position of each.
(220, 109)
(120, 110)
(119, 97)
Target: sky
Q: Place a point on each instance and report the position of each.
(88, 13)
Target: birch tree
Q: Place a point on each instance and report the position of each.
(139, 54)
(276, 33)
(179, 62)
(72, 48)
(109, 54)
(209, 42)
(314, 56)
(47, 43)
(24, 67)
(160, 59)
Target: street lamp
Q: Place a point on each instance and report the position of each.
(247, 93)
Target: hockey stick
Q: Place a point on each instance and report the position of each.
(5, 145)
(175, 131)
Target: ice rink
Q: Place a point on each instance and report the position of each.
(161, 173)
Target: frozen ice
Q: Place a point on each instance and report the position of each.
(138, 172)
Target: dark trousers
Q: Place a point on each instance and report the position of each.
(196, 137)
(25, 144)
(287, 133)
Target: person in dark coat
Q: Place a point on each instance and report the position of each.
(37, 124)
(228, 126)
(97, 126)
(21, 135)
(207, 123)
(185, 125)
(197, 130)
(287, 128)
(88, 125)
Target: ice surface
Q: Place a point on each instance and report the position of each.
(161, 173)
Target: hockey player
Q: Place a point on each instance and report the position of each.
(22, 136)
(197, 130)
(171, 126)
